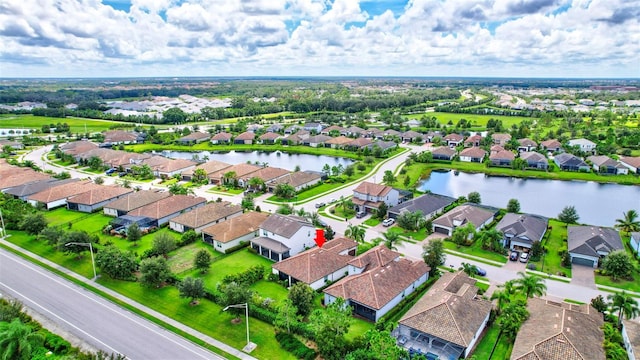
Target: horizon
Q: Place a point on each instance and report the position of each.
(529, 39)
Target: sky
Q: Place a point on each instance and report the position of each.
(452, 38)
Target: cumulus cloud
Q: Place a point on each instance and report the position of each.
(321, 37)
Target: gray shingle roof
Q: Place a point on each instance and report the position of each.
(523, 226)
(587, 240)
(465, 213)
(426, 203)
(284, 225)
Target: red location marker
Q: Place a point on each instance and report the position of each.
(320, 237)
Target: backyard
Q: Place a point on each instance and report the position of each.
(502, 348)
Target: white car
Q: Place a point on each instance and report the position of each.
(388, 222)
(524, 257)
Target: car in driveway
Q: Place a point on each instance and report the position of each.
(388, 222)
(524, 257)
(360, 214)
(481, 271)
(514, 256)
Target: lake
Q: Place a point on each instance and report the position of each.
(273, 159)
(596, 203)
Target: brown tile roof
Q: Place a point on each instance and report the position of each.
(195, 136)
(633, 161)
(532, 156)
(474, 152)
(332, 128)
(375, 257)
(444, 150)
(473, 138)
(207, 214)
(98, 195)
(247, 135)
(551, 143)
(137, 199)
(297, 178)
(236, 227)
(119, 136)
(377, 286)
(241, 170)
(449, 310)
(77, 147)
(269, 173)
(284, 225)
(340, 140)
(269, 136)
(560, 331)
(62, 191)
(163, 164)
(527, 142)
(11, 176)
(453, 137)
(502, 155)
(209, 167)
(360, 142)
(465, 214)
(221, 136)
(167, 206)
(496, 148)
(370, 188)
(501, 137)
(314, 264)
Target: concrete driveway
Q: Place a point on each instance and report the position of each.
(583, 276)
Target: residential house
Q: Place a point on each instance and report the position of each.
(584, 145)
(265, 174)
(291, 129)
(500, 139)
(292, 139)
(631, 338)
(526, 145)
(410, 136)
(632, 163)
(11, 176)
(205, 216)
(269, 137)
(163, 210)
(473, 140)
(163, 167)
(238, 171)
(235, 231)
(15, 145)
(221, 138)
(385, 146)
(358, 143)
(338, 142)
(316, 141)
(245, 138)
(377, 281)
(353, 131)
(96, 198)
(478, 216)
(133, 201)
(634, 242)
(57, 196)
(254, 128)
(276, 128)
(447, 321)
(332, 130)
(535, 160)
(413, 123)
(473, 154)
(606, 165)
(453, 139)
(551, 145)
(282, 236)
(318, 266)
(117, 137)
(23, 191)
(391, 134)
(209, 167)
(570, 162)
(313, 127)
(300, 180)
(501, 157)
(588, 244)
(443, 153)
(368, 196)
(520, 231)
(77, 147)
(195, 137)
(430, 205)
(559, 330)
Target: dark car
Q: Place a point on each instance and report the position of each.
(481, 271)
(110, 171)
(514, 256)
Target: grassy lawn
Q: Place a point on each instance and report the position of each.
(139, 247)
(372, 221)
(271, 290)
(633, 285)
(414, 235)
(358, 327)
(181, 260)
(62, 216)
(483, 350)
(476, 120)
(342, 213)
(554, 243)
(225, 190)
(77, 125)
(92, 224)
(475, 250)
(207, 317)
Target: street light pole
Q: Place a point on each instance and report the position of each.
(93, 262)
(250, 346)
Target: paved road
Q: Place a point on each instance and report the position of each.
(100, 323)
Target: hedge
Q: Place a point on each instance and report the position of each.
(295, 346)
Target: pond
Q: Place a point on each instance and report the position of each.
(273, 159)
(596, 203)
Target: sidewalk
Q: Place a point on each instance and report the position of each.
(209, 340)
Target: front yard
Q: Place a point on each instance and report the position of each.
(475, 250)
(555, 242)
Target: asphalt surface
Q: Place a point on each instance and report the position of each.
(102, 324)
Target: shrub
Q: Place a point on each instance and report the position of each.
(295, 346)
(248, 277)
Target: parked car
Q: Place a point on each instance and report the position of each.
(360, 214)
(388, 222)
(524, 257)
(332, 200)
(320, 204)
(481, 271)
(110, 171)
(514, 256)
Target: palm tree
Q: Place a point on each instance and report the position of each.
(229, 177)
(17, 340)
(530, 285)
(301, 212)
(256, 183)
(489, 238)
(391, 239)
(355, 232)
(504, 295)
(629, 223)
(469, 269)
(625, 305)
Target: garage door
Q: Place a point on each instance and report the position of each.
(581, 261)
(440, 230)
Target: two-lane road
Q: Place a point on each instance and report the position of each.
(101, 323)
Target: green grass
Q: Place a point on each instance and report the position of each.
(554, 243)
(372, 221)
(629, 285)
(62, 216)
(271, 290)
(476, 250)
(92, 224)
(342, 213)
(476, 120)
(181, 259)
(414, 235)
(358, 327)
(483, 349)
(225, 190)
(77, 125)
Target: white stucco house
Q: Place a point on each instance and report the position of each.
(282, 236)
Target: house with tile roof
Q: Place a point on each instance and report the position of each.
(338, 142)
(551, 145)
(209, 167)
(570, 162)
(473, 140)
(588, 244)
(606, 165)
(535, 160)
(133, 201)
(526, 145)
(369, 196)
(165, 168)
(221, 138)
(559, 330)
(231, 233)
(631, 338)
(409, 136)
(318, 266)
(332, 130)
(501, 158)
(240, 170)
(265, 174)
(500, 138)
(316, 140)
(23, 191)
(300, 180)
(448, 320)
(205, 216)
(244, 138)
(443, 153)
(429, 204)
(377, 281)
(473, 154)
(77, 147)
(358, 143)
(584, 145)
(163, 210)
(453, 139)
(195, 137)
(479, 216)
(96, 198)
(519, 231)
(117, 137)
(632, 163)
(282, 236)
(12, 176)
(57, 196)
(269, 137)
